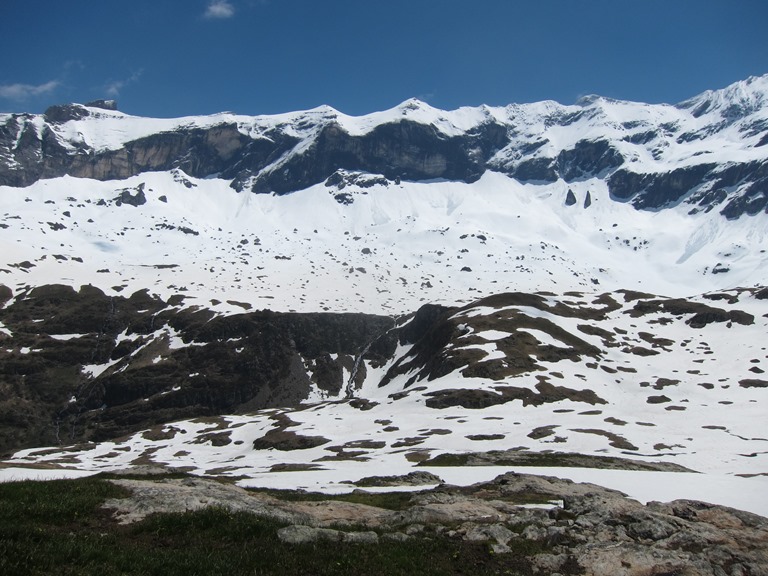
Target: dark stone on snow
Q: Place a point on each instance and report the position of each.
(136, 199)
(103, 104)
(287, 440)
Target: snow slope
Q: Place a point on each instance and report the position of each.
(394, 247)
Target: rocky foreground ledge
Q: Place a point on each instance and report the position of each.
(572, 528)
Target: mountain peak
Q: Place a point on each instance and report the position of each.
(592, 99)
(413, 104)
(738, 99)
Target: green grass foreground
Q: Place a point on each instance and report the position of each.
(59, 527)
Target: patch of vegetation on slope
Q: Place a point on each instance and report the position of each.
(58, 527)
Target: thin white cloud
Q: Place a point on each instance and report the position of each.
(24, 91)
(219, 9)
(114, 87)
(426, 97)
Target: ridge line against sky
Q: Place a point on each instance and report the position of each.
(169, 58)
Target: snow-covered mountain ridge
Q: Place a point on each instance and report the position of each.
(707, 151)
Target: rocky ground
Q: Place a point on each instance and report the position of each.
(572, 528)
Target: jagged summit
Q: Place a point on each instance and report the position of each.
(740, 98)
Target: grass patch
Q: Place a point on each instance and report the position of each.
(386, 500)
(447, 460)
(58, 527)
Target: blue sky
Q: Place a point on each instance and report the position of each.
(183, 57)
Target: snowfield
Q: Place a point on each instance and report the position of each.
(392, 249)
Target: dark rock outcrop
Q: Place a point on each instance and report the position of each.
(103, 104)
(656, 190)
(588, 158)
(434, 330)
(406, 150)
(170, 363)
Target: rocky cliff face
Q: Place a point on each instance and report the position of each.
(708, 151)
(80, 365)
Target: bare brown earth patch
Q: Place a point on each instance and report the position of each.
(295, 467)
(216, 422)
(362, 404)
(662, 383)
(145, 458)
(616, 421)
(158, 433)
(753, 383)
(436, 432)
(542, 431)
(342, 455)
(222, 470)
(485, 437)
(417, 478)
(286, 440)
(477, 399)
(639, 351)
(614, 439)
(628, 369)
(368, 444)
(523, 457)
(655, 341)
(214, 438)
(591, 330)
(412, 441)
(700, 314)
(418, 455)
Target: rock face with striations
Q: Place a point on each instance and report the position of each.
(709, 151)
